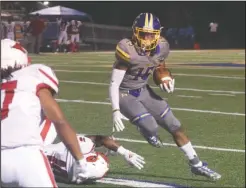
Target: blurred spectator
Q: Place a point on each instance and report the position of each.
(2, 30)
(27, 41)
(181, 37)
(63, 36)
(213, 35)
(190, 37)
(36, 28)
(10, 29)
(171, 35)
(213, 27)
(74, 30)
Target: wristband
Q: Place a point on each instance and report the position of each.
(121, 150)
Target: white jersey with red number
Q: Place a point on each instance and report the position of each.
(21, 113)
(60, 158)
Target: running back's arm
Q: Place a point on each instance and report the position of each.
(105, 141)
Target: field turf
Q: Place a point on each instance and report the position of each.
(208, 100)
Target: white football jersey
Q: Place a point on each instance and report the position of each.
(60, 158)
(63, 26)
(10, 27)
(21, 113)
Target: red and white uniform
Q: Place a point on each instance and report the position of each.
(10, 29)
(75, 31)
(21, 117)
(47, 132)
(62, 39)
(62, 161)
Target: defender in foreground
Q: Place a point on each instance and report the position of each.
(61, 160)
(26, 98)
(131, 95)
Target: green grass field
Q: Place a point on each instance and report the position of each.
(208, 100)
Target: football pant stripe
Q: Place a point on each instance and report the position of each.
(139, 117)
(49, 170)
(165, 112)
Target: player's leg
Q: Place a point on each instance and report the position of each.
(8, 168)
(37, 171)
(77, 41)
(65, 42)
(72, 44)
(138, 115)
(39, 42)
(11, 36)
(60, 38)
(165, 118)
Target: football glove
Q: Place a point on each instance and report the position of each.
(132, 158)
(80, 172)
(117, 122)
(169, 88)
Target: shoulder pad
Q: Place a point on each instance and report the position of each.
(162, 39)
(47, 77)
(164, 49)
(122, 51)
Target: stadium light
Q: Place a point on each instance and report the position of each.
(46, 3)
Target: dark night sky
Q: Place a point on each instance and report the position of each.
(229, 14)
(124, 12)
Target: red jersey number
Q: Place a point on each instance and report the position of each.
(9, 88)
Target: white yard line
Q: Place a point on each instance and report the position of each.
(195, 146)
(181, 89)
(108, 63)
(210, 76)
(222, 94)
(133, 183)
(87, 71)
(175, 74)
(189, 96)
(168, 144)
(178, 109)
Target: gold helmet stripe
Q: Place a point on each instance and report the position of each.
(151, 21)
(146, 23)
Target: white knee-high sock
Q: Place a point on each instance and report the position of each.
(190, 152)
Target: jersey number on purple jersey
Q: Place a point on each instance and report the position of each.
(144, 73)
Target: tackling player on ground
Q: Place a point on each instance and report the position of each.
(27, 96)
(131, 95)
(61, 160)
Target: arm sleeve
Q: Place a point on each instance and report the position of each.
(116, 79)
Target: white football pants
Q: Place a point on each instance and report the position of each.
(26, 166)
(75, 38)
(11, 35)
(62, 39)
